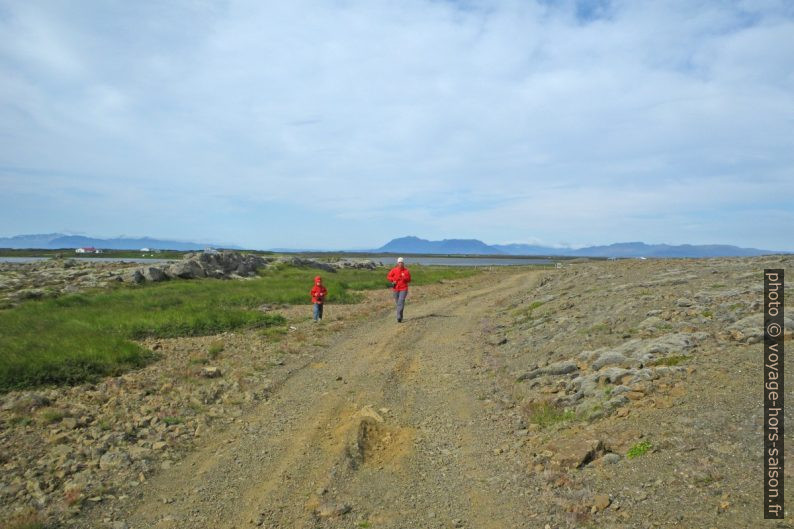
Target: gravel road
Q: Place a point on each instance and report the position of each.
(389, 426)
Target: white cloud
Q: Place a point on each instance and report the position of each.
(463, 115)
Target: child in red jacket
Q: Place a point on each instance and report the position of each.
(318, 293)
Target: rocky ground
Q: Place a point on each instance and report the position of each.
(54, 277)
(608, 394)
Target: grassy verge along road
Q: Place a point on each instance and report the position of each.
(79, 337)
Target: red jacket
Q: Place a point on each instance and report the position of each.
(400, 277)
(318, 293)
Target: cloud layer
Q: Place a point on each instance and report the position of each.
(347, 123)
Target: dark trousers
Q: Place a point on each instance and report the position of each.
(399, 299)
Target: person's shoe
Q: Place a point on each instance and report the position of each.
(399, 320)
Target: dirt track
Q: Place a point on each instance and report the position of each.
(389, 426)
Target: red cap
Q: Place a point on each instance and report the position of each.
(318, 278)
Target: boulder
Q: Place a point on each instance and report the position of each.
(186, 269)
(611, 358)
(308, 263)
(751, 328)
(154, 274)
(576, 453)
(134, 276)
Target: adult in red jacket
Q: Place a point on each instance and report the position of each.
(318, 293)
(399, 277)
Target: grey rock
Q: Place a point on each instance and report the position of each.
(186, 269)
(616, 402)
(308, 263)
(614, 375)
(559, 368)
(619, 390)
(154, 274)
(114, 459)
(134, 276)
(612, 358)
(752, 327)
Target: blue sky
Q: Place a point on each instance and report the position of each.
(345, 123)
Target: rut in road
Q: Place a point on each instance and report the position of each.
(385, 428)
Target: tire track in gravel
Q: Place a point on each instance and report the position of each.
(322, 443)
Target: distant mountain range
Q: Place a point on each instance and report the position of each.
(57, 241)
(447, 246)
(411, 244)
(403, 245)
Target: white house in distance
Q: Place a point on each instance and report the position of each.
(87, 249)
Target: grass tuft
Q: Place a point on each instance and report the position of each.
(545, 414)
(215, 349)
(639, 449)
(51, 415)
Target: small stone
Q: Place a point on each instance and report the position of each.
(114, 459)
(601, 502)
(331, 510)
(210, 372)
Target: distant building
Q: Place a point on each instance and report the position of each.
(210, 250)
(145, 250)
(87, 249)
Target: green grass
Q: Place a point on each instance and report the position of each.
(51, 415)
(81, 337)
(19, 420)
(215, 349)
(639, 449)
(598, 328)
(545, 414)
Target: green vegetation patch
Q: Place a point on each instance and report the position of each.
(639, 449)
(215, 349)
(545, 414)
(81, 337)
(291, 285)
